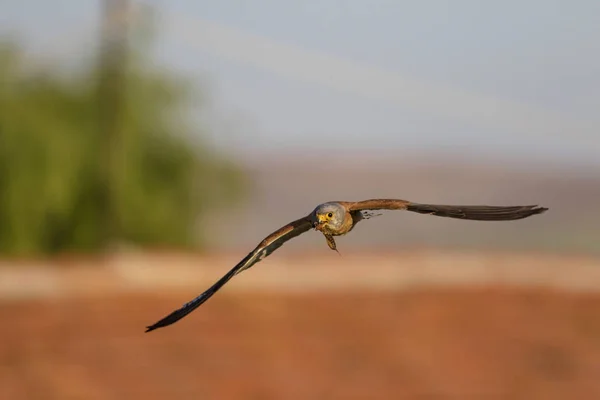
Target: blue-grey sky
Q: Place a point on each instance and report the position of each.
(504, 79)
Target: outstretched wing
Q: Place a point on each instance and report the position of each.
(478, 213)
(266, 247)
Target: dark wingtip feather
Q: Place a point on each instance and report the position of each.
(481, 213)
(533, 210)
(168, 320)
(183, 311)
(196, 302)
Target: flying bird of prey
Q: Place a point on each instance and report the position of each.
(337, 218)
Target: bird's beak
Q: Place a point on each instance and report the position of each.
(318, 223)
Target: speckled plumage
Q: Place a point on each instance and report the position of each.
(337, 218)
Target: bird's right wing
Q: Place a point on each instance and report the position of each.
(479, 213)
(266, 247)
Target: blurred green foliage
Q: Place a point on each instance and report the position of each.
(53, 161)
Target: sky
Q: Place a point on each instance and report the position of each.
(508, 80)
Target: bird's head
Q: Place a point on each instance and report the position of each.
(328, 215)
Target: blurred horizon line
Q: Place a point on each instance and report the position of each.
(140, 272)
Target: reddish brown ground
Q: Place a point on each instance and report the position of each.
(451, 344)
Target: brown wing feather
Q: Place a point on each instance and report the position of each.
(378, 204)
(266, 247)
(478, 213)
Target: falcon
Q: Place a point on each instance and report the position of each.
(337, 218)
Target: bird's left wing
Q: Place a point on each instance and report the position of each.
(266, 247)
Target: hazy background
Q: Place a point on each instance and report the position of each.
(147, 146)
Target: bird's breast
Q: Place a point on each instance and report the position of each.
(345, 227)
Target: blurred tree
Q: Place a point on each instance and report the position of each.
(53, 167)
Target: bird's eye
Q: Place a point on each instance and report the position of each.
(330, 215)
